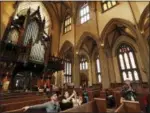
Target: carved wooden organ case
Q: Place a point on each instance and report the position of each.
(25, 41)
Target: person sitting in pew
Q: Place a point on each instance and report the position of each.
(127, 92)
(76, 100)
(110, 99)
(66, 102)
(51, 106)
(85, 96)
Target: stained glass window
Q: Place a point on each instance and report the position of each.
(67, 71)
(83, 64)
(98, 70)
(106, 5)
(67, 24)
(127, 61)
(84, 13)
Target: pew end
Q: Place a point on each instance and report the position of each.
(129, 107)
(101, 105)
(132, 106)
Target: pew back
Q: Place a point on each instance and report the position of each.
(88, 107)
(132, 106)
(97, 105)
(18, 105)
(129, 107)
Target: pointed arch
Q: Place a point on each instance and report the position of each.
(118, 22)
(143, 16)
(144, 21)
(83, 37)
(65, 47)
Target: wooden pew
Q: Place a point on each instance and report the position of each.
(129, 107)
(15, 96)
(28, 111)
(14, 100)
(120, 109)
(117, 96)
(102, 94)
(88, 107)
(97, 105)
(18, 105)
(93, 94)
(101, 104)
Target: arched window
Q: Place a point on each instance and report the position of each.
(83, 63)
(84, 13)
(127, 62)
(67, 24)
(106, 5)
(98, 69)
(67, 71)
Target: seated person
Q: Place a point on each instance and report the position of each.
(51, 106)
(85, 96)
(47, 90)
(127, 92)
(76, 100)
(66, 101)
(110, 99)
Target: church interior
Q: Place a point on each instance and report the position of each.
(95, 50)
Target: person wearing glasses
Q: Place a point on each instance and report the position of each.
(51, 106)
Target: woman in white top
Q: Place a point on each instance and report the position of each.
(76, 100)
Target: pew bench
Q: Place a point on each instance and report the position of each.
(19, 105)
(97, 105)
(14, 100)
(129, 107)
(15, 96)
(94, 106)
(93, 94)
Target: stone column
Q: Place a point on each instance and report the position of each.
(90, 73)
(104, 68)
(76, 68)
(55, 75)
(111, 70)
(94, 75)
(60, 78)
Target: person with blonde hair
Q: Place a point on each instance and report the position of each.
(127, 92)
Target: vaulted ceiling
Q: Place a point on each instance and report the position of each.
(63, 8)
(88, 45)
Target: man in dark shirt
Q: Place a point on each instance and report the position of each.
(51, 106)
